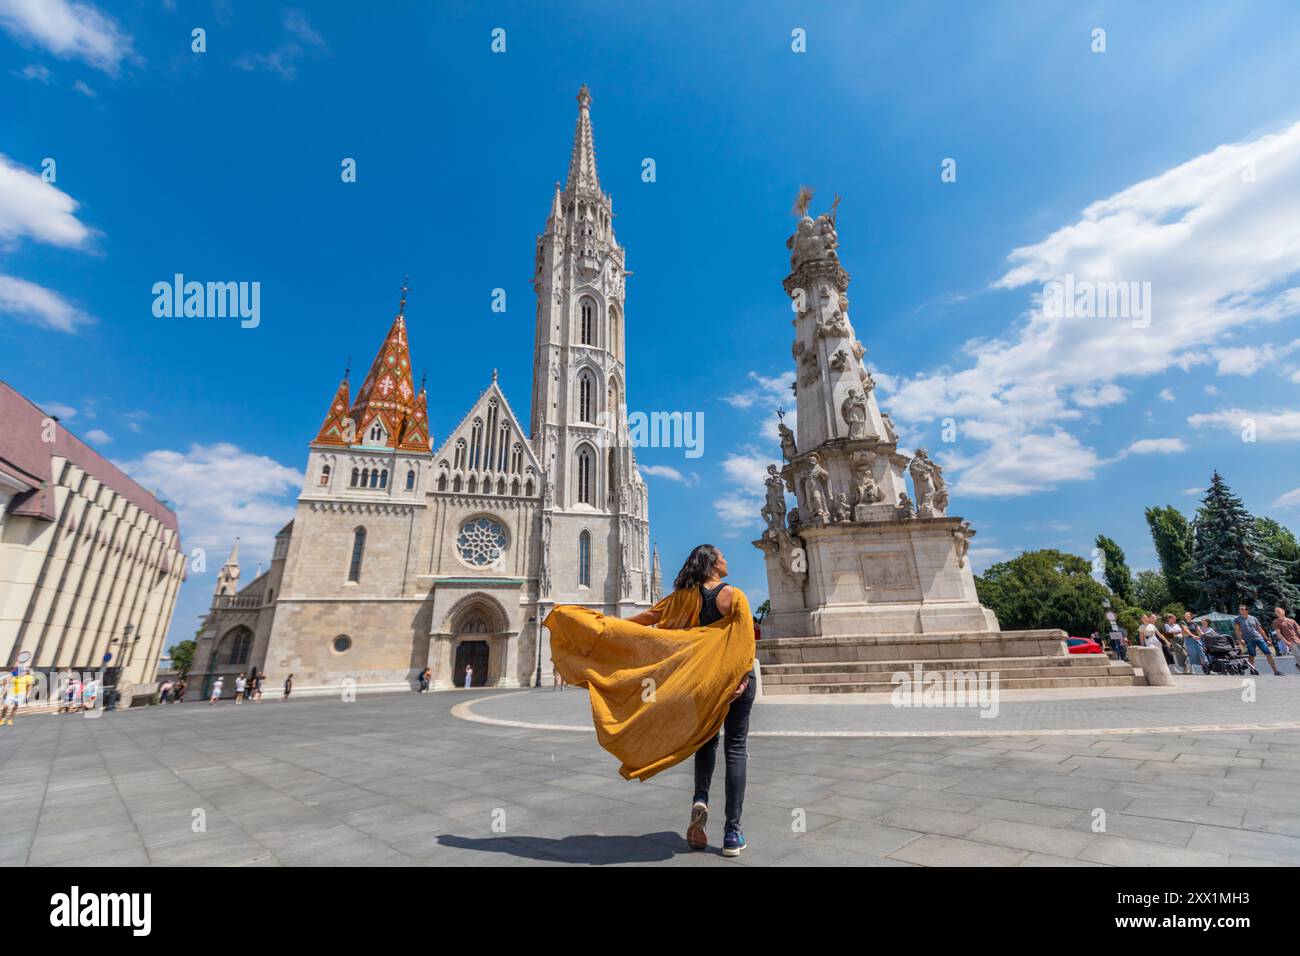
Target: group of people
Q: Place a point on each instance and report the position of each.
(1182, 641)
(172, 692)
(247, 687)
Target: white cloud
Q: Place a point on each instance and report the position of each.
(84, 90)
(35, 71)
(1289, 500)
(57, 409)
(69, 30)
(1249, 359)
(1156, 446)
(1167, 395)
(36, 304)
(1271, 425)
(1194, 233)
(31, 207)
(767, 390)
(221, 492)
(283, 60)
(671, 473)
(97, 436)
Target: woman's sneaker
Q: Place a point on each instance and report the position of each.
(695, 836)
(732, 843)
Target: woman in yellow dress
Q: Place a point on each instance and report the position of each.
(664, 682)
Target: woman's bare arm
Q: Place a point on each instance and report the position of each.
(649, 618)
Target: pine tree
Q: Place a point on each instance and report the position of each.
(1115, 569)
(1172, 536)
(1232, 564)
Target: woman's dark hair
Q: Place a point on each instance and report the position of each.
(698, 567)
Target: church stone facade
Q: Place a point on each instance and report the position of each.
(404, 555)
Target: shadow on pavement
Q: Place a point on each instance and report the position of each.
(588, 848)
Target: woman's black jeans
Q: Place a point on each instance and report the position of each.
(735, 731)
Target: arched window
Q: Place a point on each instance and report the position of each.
(383, 478)
(325, 475)
(365, 477)
(584, 560)
(587, 325)
(516, 457)
(586, 465)
(528, 488)
(410, 479)
(586, 397)
(459, 458)
(356, 476)
(240, 642)
(374, 478)
(442, 482)
(476, 443)
(615, 333)
(358, 551)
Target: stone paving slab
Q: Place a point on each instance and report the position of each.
(399, 780)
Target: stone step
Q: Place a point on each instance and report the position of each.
(887, 677)
(1003, 684)
(940, 664)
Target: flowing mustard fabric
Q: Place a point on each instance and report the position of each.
(658, 693)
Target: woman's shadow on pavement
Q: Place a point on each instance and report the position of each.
(587, 848)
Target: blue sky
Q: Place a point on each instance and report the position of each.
(224, 165)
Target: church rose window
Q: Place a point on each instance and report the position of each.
(481, 542)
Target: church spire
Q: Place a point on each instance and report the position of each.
(387, 396)
(334, 430)
(582, 163)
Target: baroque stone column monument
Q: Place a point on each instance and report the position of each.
(863, 577)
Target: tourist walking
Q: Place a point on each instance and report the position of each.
(216, 691)
(1192, 642)
(424, 679)
(1289, 631)
(1174, 637)
(288, 687)
(1251, 637)
(179, 692)
(241, 683)
(165, 692)
(704, 571)
(469, 676)
(17, 687)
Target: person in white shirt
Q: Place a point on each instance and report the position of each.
(240, 683)
(216, 692)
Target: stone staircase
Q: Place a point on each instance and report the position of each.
(867, 664)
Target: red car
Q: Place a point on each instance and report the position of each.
(1083, 645)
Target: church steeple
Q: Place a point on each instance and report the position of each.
(228, 576)
(387, 396)
(334, 430)
(582, 162)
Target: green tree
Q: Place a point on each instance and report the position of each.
(1044, 589)
(1172, 535)
(1115, 569)
(1281, 543)
(1233, 562)
(182, 655)
(1151, 591)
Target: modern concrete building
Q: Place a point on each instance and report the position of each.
(90, 562)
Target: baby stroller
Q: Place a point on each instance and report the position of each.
(1224, 658)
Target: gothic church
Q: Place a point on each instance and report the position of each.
(401, 556)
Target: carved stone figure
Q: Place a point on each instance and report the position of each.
(833, 327)
(866, 490)
(792, 521)
(859, 350)
(813, 239)
(817, 488)
(842, 512)
(854, 410)
(788, 448)
(904, 506)
(774, 508)
(961, 536)
(891, 434)
(927, 481)
(868, 383)
(839, 361)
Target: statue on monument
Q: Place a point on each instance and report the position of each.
(891, 434)
(961, 536)
(774, 508)
(788, 448)
(866, 491)
(816, 488)
(854, 410)
(842, 512)
(931, 489)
